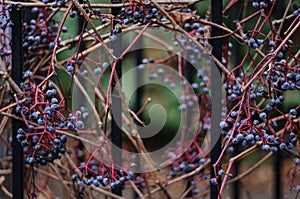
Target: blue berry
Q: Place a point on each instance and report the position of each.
(221, 172)
(20, 131)
(56, 141)
(30, 128)
(126, 21)
(35, 139)
(255, 4)
(27, 74)
(54, 4)
(293, 112)
(74, 177)
(233, 114)
(254, 45)
(263, 115)
(200, 30)
(105, 182)
(79, 124)
(52, 129)
(20, 137)
(31, 160)
(235, 141)
(250, 137)
(51, 45)
(282, 146)
(70, 69)
(285, 86)
(201, 161)
(195, 25)
(292, 134)
(103, 21)
(49, 93)
(112, 37)
(296, 161)
(84, 72)
(260, 41)
(154, 10)
(251, 41)
(64, 29)
(274, 149)
(223, 125)
(172, 173)
(37, 39)
(63, 139)
(266, 147)
(72, 14)
(195, 191)
(105, 64)
(85, 115)
(96, 183)
(271, 43)
(240, 137)
(80, 183)
(255, 122)
(97, 70)
(263, 4)
(187, 27)
(213, 181)
(70, 126)
(280, 55)
(54, 101)
(99, 178)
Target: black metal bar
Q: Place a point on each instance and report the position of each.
(139, 78)
(277, 175)
(189, 74)
(17, 62)
(216, 85)
(138, 55)
(279, 9)
(116, 131)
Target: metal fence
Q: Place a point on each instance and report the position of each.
(216, 17)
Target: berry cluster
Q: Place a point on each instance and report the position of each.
(138, 13)
(99, 174)
(43, 110)
(260, 4)
(39, 35)
(5, 25)
(259, 124)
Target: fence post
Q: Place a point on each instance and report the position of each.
(216, 91)
(138, 54)
(279, 9)
(116, 131)
(17, 62)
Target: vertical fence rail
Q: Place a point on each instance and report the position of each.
(116, 131)
(17, 62)
(279, 9)
(189, 76)
(216, 95)
(138, 54)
